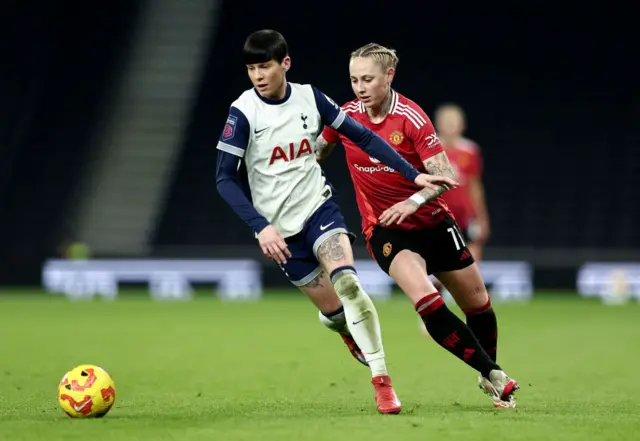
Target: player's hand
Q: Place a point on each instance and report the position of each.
(273, 245)
(434, 182)
(398, 212)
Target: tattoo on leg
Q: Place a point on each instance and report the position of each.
(316, 282)
(331, 250)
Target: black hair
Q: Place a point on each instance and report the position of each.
(263, 46)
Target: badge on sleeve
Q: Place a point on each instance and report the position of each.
(229, 128)
(333, 103)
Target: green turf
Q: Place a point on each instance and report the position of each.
(204, 369)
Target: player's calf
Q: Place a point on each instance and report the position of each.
(467, 288)
(321, 292)
(337, 322)
(361, 318)
(452, 334)
(409, 271)
(484, 325)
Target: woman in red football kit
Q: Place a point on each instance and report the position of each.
(410, 231)
(467, 201)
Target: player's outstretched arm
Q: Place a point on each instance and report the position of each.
(371, 143)
(375, 146)
(323, 149)
(437, 165)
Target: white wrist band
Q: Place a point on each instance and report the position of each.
(418, 199)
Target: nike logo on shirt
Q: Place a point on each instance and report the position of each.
(324, 227)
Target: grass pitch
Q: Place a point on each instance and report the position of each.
(206, 369)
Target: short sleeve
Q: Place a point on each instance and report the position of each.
(331, 114)
(234, 138)
(421, 132)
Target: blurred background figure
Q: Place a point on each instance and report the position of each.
(74, 250)
(467, 202)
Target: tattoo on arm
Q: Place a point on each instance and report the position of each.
(323, 149)
(316, 282)
(437, 165)
(331, 250)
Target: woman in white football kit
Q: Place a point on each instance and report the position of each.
(273, 127)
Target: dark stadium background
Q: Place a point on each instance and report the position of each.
(552, 100)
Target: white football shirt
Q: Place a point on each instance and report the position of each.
(277, 141)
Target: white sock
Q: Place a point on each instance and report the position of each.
(362, 319)
(336, 322)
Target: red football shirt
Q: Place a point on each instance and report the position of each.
(410, 132)
(467, 162)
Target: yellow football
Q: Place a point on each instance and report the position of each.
(86, 391)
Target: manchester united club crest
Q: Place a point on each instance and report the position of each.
(386, 249)
(396, 137)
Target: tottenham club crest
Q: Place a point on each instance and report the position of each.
(396, 137)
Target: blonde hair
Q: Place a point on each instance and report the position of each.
(384, 56)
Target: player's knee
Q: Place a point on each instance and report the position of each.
(350, 292)
(346, 283)
(408, 270)
(475, 298)
(468, 295)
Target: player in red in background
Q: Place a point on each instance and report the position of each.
(410, 231)
(466, 202)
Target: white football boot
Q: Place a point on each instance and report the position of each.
(500, 388)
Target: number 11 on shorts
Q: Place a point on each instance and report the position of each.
(455, 233)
